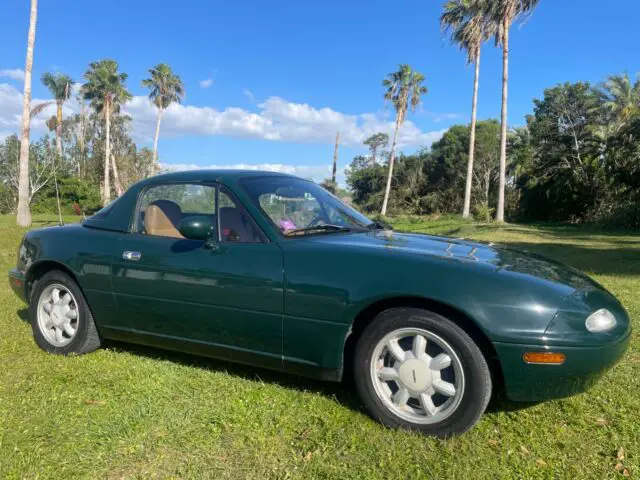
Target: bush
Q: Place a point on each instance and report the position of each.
(76, 195)
(626, 215)
(7, 200)
(483, 213)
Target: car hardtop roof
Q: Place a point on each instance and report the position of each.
(117, 216)
(211, 175)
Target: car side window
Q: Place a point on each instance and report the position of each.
(235, 223)
(161, 208)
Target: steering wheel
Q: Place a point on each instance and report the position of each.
(315, 221)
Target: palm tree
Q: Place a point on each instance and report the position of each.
(404, 90)
(59, 85)
(374, 142)
(106, 92)
(502, 13)
(166, 88)
(620, 100)
(24, 213)
(466, 21)
(335, 161)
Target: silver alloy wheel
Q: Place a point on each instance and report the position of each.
(58, 315)
(419, 387)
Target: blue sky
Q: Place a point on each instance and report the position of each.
(269, 82)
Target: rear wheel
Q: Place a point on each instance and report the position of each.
(418, 370)
(60, 317)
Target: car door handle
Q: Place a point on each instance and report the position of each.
(131, 256)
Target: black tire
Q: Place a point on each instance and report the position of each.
(477, 377)
(86, 338)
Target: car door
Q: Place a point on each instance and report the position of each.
(172, 291)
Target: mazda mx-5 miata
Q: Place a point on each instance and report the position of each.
(273, 271)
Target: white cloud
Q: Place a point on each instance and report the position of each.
(206, 83)
(12, 73)
(248, 94)
(276, 119)
(11, 111)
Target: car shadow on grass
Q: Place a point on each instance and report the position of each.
(343, 392)
(23, 314)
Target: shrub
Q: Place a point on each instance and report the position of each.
(7, 200)
(76, 196)
(483, 213)
(626, 215)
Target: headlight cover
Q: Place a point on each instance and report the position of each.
(600, 321)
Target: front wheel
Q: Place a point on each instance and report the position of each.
(60, 317)
(418, 370)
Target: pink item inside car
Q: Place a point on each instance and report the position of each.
(287, 225)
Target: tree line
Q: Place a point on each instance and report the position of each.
(469, 24)
(576, 159)
(90, 150)
(82, 140)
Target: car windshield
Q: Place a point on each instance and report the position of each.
(300, 207)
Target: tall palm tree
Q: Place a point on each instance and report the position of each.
(166, 88)
(23, 217)
(335, 162)
(502, 13)
(620, 100)
(374, 142)
(105, 90)
(59, 85)
(404, 89)
(466, 22)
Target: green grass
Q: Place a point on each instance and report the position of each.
(125, 412)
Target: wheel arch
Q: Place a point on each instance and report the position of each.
(41, 267)
(464, 321)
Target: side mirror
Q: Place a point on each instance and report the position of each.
(199, 227)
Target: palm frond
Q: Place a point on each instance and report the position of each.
(39, 108)
(166, 87)
(104, 84)
(468, 24)
(619, 99)
(404, 90)
(59, 84)
(502, 13)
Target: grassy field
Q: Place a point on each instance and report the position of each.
(130, 412)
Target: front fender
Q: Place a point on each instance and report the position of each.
(82, 252)
(328, 287)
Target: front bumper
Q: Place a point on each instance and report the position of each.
(18, 283)
(582, 368)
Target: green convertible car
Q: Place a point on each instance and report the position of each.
(273, 271)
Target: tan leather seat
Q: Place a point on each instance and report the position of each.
(162, 217)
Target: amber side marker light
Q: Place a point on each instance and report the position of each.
(547, 358)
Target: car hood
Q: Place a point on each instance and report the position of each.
(501, 259)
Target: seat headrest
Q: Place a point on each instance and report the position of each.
(162, 217)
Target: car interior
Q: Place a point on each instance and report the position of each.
(162, 218)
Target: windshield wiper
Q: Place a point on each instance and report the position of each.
(318, 228)
(378, 225)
